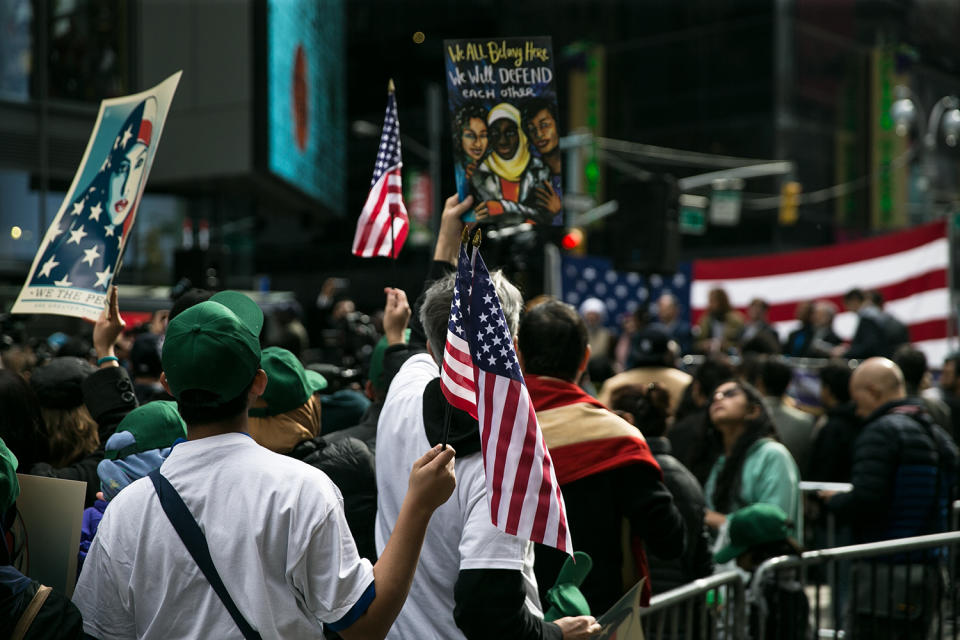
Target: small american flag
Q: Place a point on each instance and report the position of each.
(382, 228)
(457, 376)
(522, 488)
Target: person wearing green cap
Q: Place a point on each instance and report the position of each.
(286, 419)
(270, 553)
(28, 609)
(757, 533)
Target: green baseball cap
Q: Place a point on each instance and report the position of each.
(155, 425)
(214, 346)
(751, 526)
(9, 485)
(289, 385)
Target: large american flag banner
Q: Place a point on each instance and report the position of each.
(383, 224)
(457, 372)
(909, 268)
(522, 489)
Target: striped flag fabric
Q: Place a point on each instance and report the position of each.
(457, 374)
(522, 489)
(383, 224)
(909, 268)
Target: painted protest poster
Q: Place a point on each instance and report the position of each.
(82, 250)
(623, 621)
(503, 105)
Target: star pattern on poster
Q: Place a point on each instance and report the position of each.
(91, 254)
(77, 208)
(76, 235)
(95, 212)
(103, 277)
(48, 267)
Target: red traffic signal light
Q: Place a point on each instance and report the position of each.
(572, 239)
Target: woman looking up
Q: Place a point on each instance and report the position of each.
(755, 467)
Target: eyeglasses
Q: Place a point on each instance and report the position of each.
(726, 393)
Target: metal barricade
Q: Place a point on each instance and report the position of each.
(711, 608)
(904, 588)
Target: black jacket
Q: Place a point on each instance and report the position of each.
(904, 470)
(695, 444)
(696, 561)
(109, 396)
(831, 458)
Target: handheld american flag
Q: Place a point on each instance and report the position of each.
(383, 224)
(457, 374)
(522, 488)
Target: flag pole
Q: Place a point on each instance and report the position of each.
(391, 90)
(448, 409)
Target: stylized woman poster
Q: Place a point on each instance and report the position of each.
(506, 141)
(82, 250)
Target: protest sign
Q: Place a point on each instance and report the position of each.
(52, 512)
(622, 621)
(506, 141)
(83, 248)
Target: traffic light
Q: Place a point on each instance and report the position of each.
(789, 199)
(572, 239)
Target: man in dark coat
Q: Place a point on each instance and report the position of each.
(596, 455)
(904, 469)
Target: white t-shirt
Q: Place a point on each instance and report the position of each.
(277, 536)
(460, 534)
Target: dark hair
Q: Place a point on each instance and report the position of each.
(762, 552)
(534, 106)
(763, 343)
(189, 298)
(461, 118)
(876, 297)
(711, 374)
(649, 404)
(723, 300)
(775, 375)
(854, 295)
(953, 357)
(728, 481)
(21, 424)
(913, 364)
(552, 339)
(193, 408)
(836, 378)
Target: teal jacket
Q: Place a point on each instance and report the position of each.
(770, 475)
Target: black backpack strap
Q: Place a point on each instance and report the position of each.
(193, 538)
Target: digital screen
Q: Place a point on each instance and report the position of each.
(306, 128)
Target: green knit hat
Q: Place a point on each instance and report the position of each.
(754, 525)
(214, 347)
(9, 486)
(155, 425)
(289, 385)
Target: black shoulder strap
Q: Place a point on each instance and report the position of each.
(193, 538)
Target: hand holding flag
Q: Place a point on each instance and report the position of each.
(481, 375)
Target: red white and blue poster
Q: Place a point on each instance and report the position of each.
(83, 248)
(506, 129)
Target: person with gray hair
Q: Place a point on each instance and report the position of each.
(473, 580)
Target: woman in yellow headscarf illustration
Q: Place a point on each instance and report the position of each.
(506, 181)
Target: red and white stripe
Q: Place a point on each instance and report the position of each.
(384, 206)
(909, 268)
(522, 489)
(457, 375)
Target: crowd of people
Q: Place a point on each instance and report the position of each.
(234, 491)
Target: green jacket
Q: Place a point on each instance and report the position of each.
(769, 475)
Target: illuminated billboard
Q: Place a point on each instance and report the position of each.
(306, 112)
